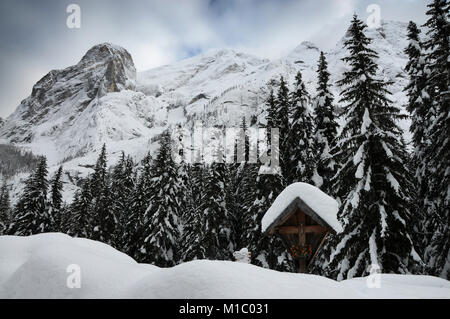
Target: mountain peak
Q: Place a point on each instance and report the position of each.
(62, 94)
(104, 51)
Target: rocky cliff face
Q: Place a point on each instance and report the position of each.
(105, 68)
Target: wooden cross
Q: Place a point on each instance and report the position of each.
(301, 229)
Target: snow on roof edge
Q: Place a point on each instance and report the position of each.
(324, 205)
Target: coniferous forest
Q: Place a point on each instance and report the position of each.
(394, 198)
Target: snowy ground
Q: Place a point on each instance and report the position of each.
(43, 266)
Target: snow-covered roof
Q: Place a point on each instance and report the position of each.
(310, 197)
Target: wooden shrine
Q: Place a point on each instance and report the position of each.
(303, 231)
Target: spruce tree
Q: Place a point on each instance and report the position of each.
(300, 144)
(81, 221)
(30, 216)
(122, 188)
(5, 208)
(281, 120)
(417, 91)
(268, 251)
(372, 182)
(325, 128)
(160, 241)
(218, 234)
(274, 122)
(137, 219)
(105, 222)
(244, 183)
(418, 106)
(217, 229)
(191, 244)
(271, 113)
(56, 200)
(437, 152)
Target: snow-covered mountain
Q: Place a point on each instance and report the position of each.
(63, 115)
(72, 112)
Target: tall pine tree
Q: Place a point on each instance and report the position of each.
(243, 191)
(191, 244)
(105, 222)
(325, 128)
(81, 221)
(217, 228)
(56, 200)
(418, 106)
(281, 120)
(137, 218)
(5, 208)
(31, 214)
(160, 241)
(300, 144)
(437, 152)
(122, 188)
(268, 251)
(372, 182)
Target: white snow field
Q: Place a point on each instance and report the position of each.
(45, 266)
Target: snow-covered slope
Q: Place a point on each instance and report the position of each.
(40, 266)
(222, 86)
(72, 112)
(66, 112)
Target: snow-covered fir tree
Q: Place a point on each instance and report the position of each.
(437, 152)
(217, 233)
(271, 112)
(105, 222)
(30, 216)
(191, 241)
(243, 185)
(418, 106)
(325, 128)
(56, 200)
(418, 97)
(372, 182)
(160, 241)
(281, 120)
(5, 208)
(122, 188)
(133, 225)
(80, 223)
(274, 122)
(300, 145)
(269, 251)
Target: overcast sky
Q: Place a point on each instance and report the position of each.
(35, 38)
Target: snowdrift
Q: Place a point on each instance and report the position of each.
(37, 267)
